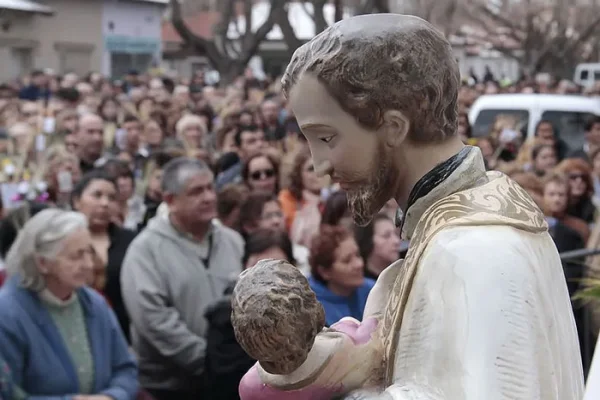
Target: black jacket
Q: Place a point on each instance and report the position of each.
(226, 361)
(12, 223)
(120, 239)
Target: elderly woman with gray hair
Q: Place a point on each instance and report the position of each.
(191, 130)
(59, 338)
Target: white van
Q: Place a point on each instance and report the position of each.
(568, 114)
(587, 75)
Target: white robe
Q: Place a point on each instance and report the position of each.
(488, 318)
(487, 315)
(592, 390)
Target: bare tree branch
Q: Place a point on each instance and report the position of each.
(191, 38)
(289, 36)
(304, 6)
(366, 7)
(319, 16)
(339, 10)
(229, 54)
(250, 46)
(450, 13)
(382, 6)
(592, 29)
(248, 17)
(227, 10)
(552, 35)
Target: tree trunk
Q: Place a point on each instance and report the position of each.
(228, 72)
(339, 10)
(319, 17)
(382, 6)
(289, 36)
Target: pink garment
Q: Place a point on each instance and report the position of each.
(252, 388)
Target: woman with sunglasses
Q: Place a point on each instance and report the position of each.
(581, 188)
(261, 174)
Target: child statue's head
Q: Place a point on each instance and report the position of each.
(276, 316)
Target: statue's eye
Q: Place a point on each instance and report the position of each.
(326, 139)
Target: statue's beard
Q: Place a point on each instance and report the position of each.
(366, 201)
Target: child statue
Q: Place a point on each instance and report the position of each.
(278, 321)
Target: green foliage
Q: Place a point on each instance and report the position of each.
(590, 291)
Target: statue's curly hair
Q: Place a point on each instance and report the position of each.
(374, 63)
(276, 316)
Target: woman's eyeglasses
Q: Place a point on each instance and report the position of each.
(262, 174)
(574, 177)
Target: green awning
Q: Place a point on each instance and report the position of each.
(131, 45)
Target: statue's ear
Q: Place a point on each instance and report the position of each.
(396, 126)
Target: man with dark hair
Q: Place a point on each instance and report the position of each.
(592, 139)
(89, 141)
(7, 92)
(229, 204)
(269, 112)
(37, 88)
(176, 267)
(249, 140)
(153, 196)
(131, 144)
(69, 95)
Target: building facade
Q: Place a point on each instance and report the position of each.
(108, 36)
(131, 34)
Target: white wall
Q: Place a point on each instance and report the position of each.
(499, 64)
(133, 19)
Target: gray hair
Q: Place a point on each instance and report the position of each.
(43, 236)
(177, 172)
(187, 121)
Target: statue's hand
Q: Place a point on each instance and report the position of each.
(359, 332)
(252, 388)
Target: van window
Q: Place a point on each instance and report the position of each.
(584, 75)
(570, 126)
(486, 118)
(597, 75)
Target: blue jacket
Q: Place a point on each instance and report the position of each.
(35, 352)
(337, 307)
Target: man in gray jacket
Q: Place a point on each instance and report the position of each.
(177, 267)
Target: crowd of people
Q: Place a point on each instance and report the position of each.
(130, 208)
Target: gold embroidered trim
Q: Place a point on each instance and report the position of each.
(500, 201)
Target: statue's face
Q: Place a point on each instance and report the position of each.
(355, 157)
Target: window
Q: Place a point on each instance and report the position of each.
(597, 75)
(74, 57)
(75, 61)
(23, 60)
(584, 75)
(569, 126)
(485, 120)
(122, 63)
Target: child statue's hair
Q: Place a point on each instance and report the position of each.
(276, 316)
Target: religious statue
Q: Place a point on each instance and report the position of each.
(478, 309)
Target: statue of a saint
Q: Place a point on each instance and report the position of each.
(479, 308)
